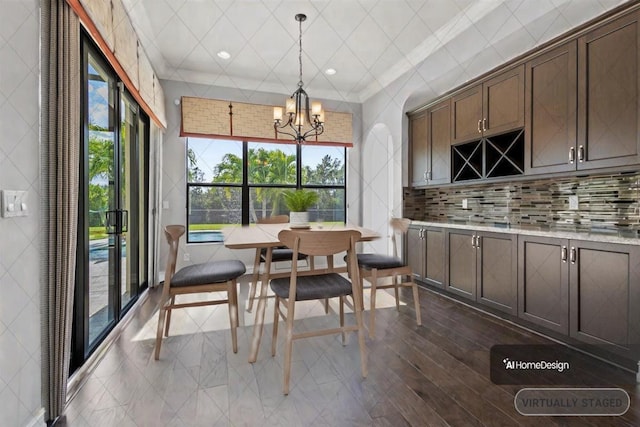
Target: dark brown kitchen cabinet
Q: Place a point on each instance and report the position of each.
(588, 290)
(490, 108)
(482, 267)
(604, 284)
(425, 254)
(430, 142)
(608, 89)
(418, 128)
(550, 111)
(543, 282)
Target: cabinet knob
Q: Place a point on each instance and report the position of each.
(572, 155)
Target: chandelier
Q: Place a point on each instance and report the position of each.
(300, 122)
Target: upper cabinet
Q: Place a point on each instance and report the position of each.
(550, 111)
(492, 107)
(608, 109)
(430, 143)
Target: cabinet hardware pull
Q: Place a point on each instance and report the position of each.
(563, 254)
(572, 155)
(473, 241)
(425, 175)
(479, 130)
(573, 255)
(429, 176)
(484, 124)
(477, 242)
(581, 153)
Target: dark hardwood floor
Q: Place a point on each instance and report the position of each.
(433, 375)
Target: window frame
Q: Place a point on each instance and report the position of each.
(246, 187)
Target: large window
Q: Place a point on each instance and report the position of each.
(235, 182)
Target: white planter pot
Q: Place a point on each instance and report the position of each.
(299, 219)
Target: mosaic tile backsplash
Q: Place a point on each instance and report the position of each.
(605, 203)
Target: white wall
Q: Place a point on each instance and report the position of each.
(174, 164)
(20, 397)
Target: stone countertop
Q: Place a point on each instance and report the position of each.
(629, 237)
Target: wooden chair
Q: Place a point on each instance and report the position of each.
(317, 285)
(279, 254)
(214, 276)
(375, 266)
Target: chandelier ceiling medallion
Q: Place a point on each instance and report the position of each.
(300, 122)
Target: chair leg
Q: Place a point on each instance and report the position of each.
(232, 297)
(357, 304)
(288, 345)
(168, 321)
(344, 335)
(162, 312)
(395, 290)
(254, 280)
(276, 320)
(326, 306)
(372, 312)
(416, 301)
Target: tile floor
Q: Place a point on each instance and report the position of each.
(200, 381)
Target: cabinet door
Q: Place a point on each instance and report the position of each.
(608, 110)
(497, 284)
(419, 149)
(439, 143)
(435, 260)
(416, 252)
(461, 269)
(543, 282)
(605, 294)
(550, 111)
(503, 102)
(466, 115)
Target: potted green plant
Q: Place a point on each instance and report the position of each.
(299, 202)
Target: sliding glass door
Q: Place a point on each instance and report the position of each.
(111, 259)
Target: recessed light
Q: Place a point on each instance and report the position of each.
(330, 71)
(224, 54)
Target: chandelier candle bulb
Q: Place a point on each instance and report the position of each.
(277, 113)
(316, 108)
(291, 106)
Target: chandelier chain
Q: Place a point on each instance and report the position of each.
(300, 52)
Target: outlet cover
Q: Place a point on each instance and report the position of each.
(573, 203)
(186, 257)
(465, 204)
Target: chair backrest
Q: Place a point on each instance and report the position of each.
(399, 226)
(321, 243)
(173, 234)
(276, 219)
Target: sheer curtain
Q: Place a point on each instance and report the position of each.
(60, 145)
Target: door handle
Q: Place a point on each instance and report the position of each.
(572, 255)
(111, 222)
(563, 254)
(124, 221)
(572, 155)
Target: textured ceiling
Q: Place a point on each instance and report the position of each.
(370, 43)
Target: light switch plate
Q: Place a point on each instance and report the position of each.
(14, 203)
(465, 204)
(573, 203)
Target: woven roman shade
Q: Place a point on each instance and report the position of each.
(214, 118)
